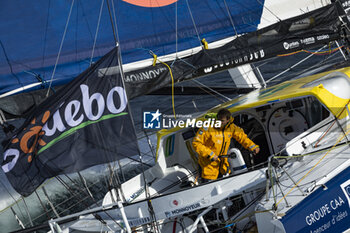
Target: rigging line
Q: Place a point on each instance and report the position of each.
(115, 21)
(339, 140)
(120, 62)
(97, 28)
(150, 144)
(16, 201)
(85, 18)
(42, 205)
(249, 11)
(60, 49)
(75, 194)
(321, 53)
(84, 183)
(229, 15)
(176, 29)
(296, 64)
(111, 183)
(112, 23)
(20, 223)
(82, 179)
(268, 9)
(45, 36)
(225, 97)
(50, 203)
(121, 170)
(335, 120)
(340, 49)
(311, 67)
(210, 93)
(67, 200)
(194, 24)
(9, 63)
(27, 210)
(76, 33)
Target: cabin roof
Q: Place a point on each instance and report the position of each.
(291, 89)
(287, 90)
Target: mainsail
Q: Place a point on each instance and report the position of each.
(29, 53)
(160, 28)
(55, 41)
(85, 124)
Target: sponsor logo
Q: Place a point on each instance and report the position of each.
(346, 190)
(144, 76)
(182, 210)
(309, 40)
(175, 203)
(150, 3)
(306, 22)
(301, 24)
(291, 45)
(139, 221)
(330, 212)
(151, 120)
(135, 195)
(157, 120)
(323, 37)
(68, 118)
(324, 210)
(253, 56)
(346, 4)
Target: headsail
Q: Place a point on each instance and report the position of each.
(85, 124)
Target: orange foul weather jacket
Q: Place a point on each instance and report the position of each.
(212, 141)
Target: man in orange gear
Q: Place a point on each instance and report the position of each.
(212, 142)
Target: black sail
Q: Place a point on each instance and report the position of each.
(84, 124)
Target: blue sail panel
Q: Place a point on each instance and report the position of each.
(32, 33)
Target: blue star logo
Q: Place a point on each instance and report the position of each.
(151, 120)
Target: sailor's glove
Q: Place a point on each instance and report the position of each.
(213, 157)
(256, 150)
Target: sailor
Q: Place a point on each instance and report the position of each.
(210, 143)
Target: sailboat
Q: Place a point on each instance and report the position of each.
(172, 196)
